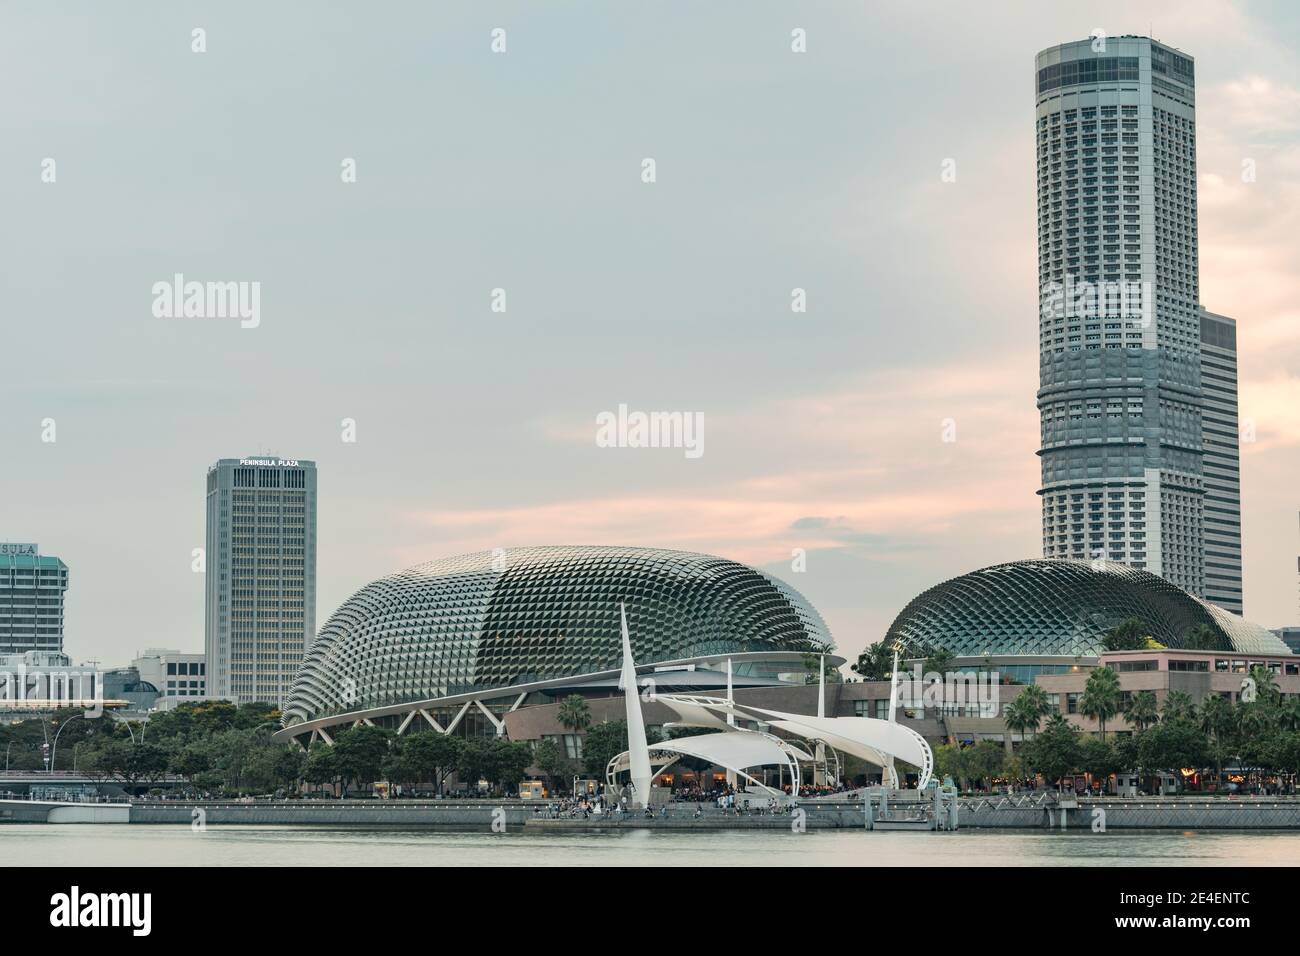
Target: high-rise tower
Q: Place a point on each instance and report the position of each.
(32, 588)
(1221, 430)
(1120, 323)
(261, 575)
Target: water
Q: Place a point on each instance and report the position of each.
(144, 845)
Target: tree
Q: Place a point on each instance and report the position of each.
(1034, 700)
(1141, 710)
(1128, 636)
(1288, 714)
(1054, 752)
(360, 751)
(512, 762)
(1172, 745)
(1216, 721)
(1098, 758)
(1178, 706)
(190, 761)
(435, 754)
(551, 761)
(940, 662)
(1020, 717)
(950, 761)
(322, 764)
(875, 663)
(1265, 685)
(1100, 699)
(494, 759)
(573, 714)
(1202, 637)
(603, 743)
(986, 761)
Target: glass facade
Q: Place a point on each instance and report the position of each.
(498, 619)
(1061, 608)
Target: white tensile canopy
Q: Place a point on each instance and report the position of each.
(877, 741)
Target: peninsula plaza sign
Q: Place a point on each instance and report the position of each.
(17, 549)
(270, 462)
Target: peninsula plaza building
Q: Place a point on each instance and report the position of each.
(32, 588)
(260, 602)
(1124, 345)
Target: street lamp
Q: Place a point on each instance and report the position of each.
(54, 751)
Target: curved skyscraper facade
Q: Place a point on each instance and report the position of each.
(1120, 393)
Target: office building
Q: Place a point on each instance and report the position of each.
(1220, 439)
(32, 587)
(1120, 394)
(261, 575)
(179, 677)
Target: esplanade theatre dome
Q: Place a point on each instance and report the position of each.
(506, 618)
(1062, 608)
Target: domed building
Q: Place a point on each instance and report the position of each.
(1063, 609)
(459, 643)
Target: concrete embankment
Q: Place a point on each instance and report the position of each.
(1025, 812)
(1149, 813)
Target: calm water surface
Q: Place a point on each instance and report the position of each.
(136, 844)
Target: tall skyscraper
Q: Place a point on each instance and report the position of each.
(261, 575)
(1221, 441)
(1120, 321)
(32, 586)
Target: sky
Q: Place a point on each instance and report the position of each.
(523, 171)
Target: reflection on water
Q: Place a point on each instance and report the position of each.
(141, 845)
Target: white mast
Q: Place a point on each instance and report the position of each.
(638, 750)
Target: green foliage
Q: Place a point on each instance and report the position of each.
(494, 759)
(426, 755)
(1055, 752)
(1129, 636)
(1171, 745)
(940, 662)
(1178, 706)
(1100, 698)
(875, 663)
(1141, 710)
(603, 742)
(1098, 758)
(552, 762)
(1202, 637)
(573, 714)
(360, 751)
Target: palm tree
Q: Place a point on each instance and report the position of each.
(1100, 699)
(1265, 684)
(1141, 711)
(1216, 722)
(1202, 637)
(1288, 715)
(1019, 717)
(1034, 701)
(1178, 706)
(573, 714)
(876, 663)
